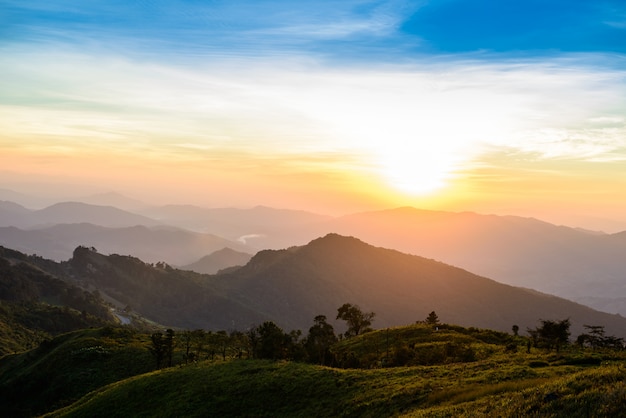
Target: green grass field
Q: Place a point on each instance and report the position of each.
(496, 382)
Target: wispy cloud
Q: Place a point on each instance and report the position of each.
(558, 108)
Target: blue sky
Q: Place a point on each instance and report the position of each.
(367, 29)
(412, 94)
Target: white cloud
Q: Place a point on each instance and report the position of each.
(408, 115)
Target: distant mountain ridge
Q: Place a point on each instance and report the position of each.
(76, 212)
(219, 260)
(152, 244)
(569, 262)
(520, 251)
(292, 286)
(401, 288)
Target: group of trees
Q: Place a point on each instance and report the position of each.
(551, 334)
(269, 341)
(595, 337)
(265, 341)
(555, 334)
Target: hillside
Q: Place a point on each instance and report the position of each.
(524, 252)
(568, 262)
(60, 371)
(218, 260)
(293, 286)
(303, 282)
(416, 370)
(153, 244)
(505, 385)
(159, 292)
(35, 305)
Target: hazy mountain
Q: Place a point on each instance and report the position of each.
(152, 244)
(400, 288)
(12, 214)
(219, 260)
(520, 251)
(577, 264)
(77, 212)
(26, 200)
(292, 286)
(113, 199)
(260, 227)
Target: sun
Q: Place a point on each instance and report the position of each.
(415, 170)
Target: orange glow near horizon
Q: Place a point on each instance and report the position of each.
(543, 141)
(293, 182)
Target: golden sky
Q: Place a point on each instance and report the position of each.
(353, 110)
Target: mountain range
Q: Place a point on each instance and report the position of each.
(585, 266)
(218, 261)
(292, 286)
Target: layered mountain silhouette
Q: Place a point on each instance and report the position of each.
(400, 288)
(292, 286)
(526, 252)
(219, 260)
(568, 262)
(70, 212)
(260, 227)
(152, 244)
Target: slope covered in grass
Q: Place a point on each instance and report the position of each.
(504, 384)
(62, 370)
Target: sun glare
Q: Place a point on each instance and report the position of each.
(414, 175)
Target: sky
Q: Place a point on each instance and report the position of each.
(507, 107)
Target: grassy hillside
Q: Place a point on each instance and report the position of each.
(498, 380)
(503, 385)
(62, 370)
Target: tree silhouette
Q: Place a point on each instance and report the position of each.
(273, 342)
(551, 334)
(157, 348)
(357, 321)
(169, 345)
(319, 340)
(432, 319)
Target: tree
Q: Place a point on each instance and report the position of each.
(273, 343)
(187, 341)
(319, 340)
(515, 329)
(357, 321)
(432, 319)
(169, 345)
(157, 348)
(551, 334)
(595, 338)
